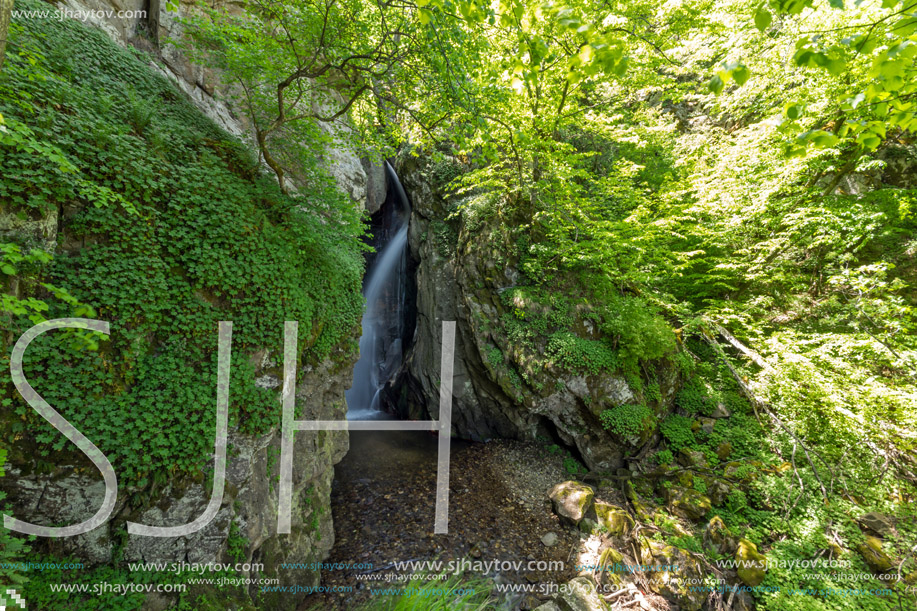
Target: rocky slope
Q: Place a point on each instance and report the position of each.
(462, 273)
(66, 489)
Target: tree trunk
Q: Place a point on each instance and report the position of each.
(6, 11)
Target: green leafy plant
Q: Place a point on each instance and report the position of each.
(677, 432)
(628, 421)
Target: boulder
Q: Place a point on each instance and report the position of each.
(718, 536)
(720, 411)
(707, 424)
(571, 500)
(692, 458)
(673, 570)
(718, 490)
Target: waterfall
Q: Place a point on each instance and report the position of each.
(381, 347)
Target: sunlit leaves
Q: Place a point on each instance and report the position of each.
(735, 71)
(762, 18)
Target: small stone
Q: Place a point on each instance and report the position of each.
(707, 424)
(720, 411)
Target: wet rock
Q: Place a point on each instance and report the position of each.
(872, 553)
(462, 281)
(750, 564)
(571, 500)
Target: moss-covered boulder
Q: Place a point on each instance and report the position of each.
(643, 511)
(669, 571)
(688, 503)
(614, 519)
(718, 536)
(610, 561)
(874, 556)
(750, 563)
(571, 500)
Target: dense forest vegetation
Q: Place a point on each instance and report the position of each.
(727, 188)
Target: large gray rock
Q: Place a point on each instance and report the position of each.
(38, 230)
(376, 185)
(458, 278)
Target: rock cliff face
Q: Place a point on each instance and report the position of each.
(460, 276)
(72, 490)
(141, 23)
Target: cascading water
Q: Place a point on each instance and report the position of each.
(381, 347)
